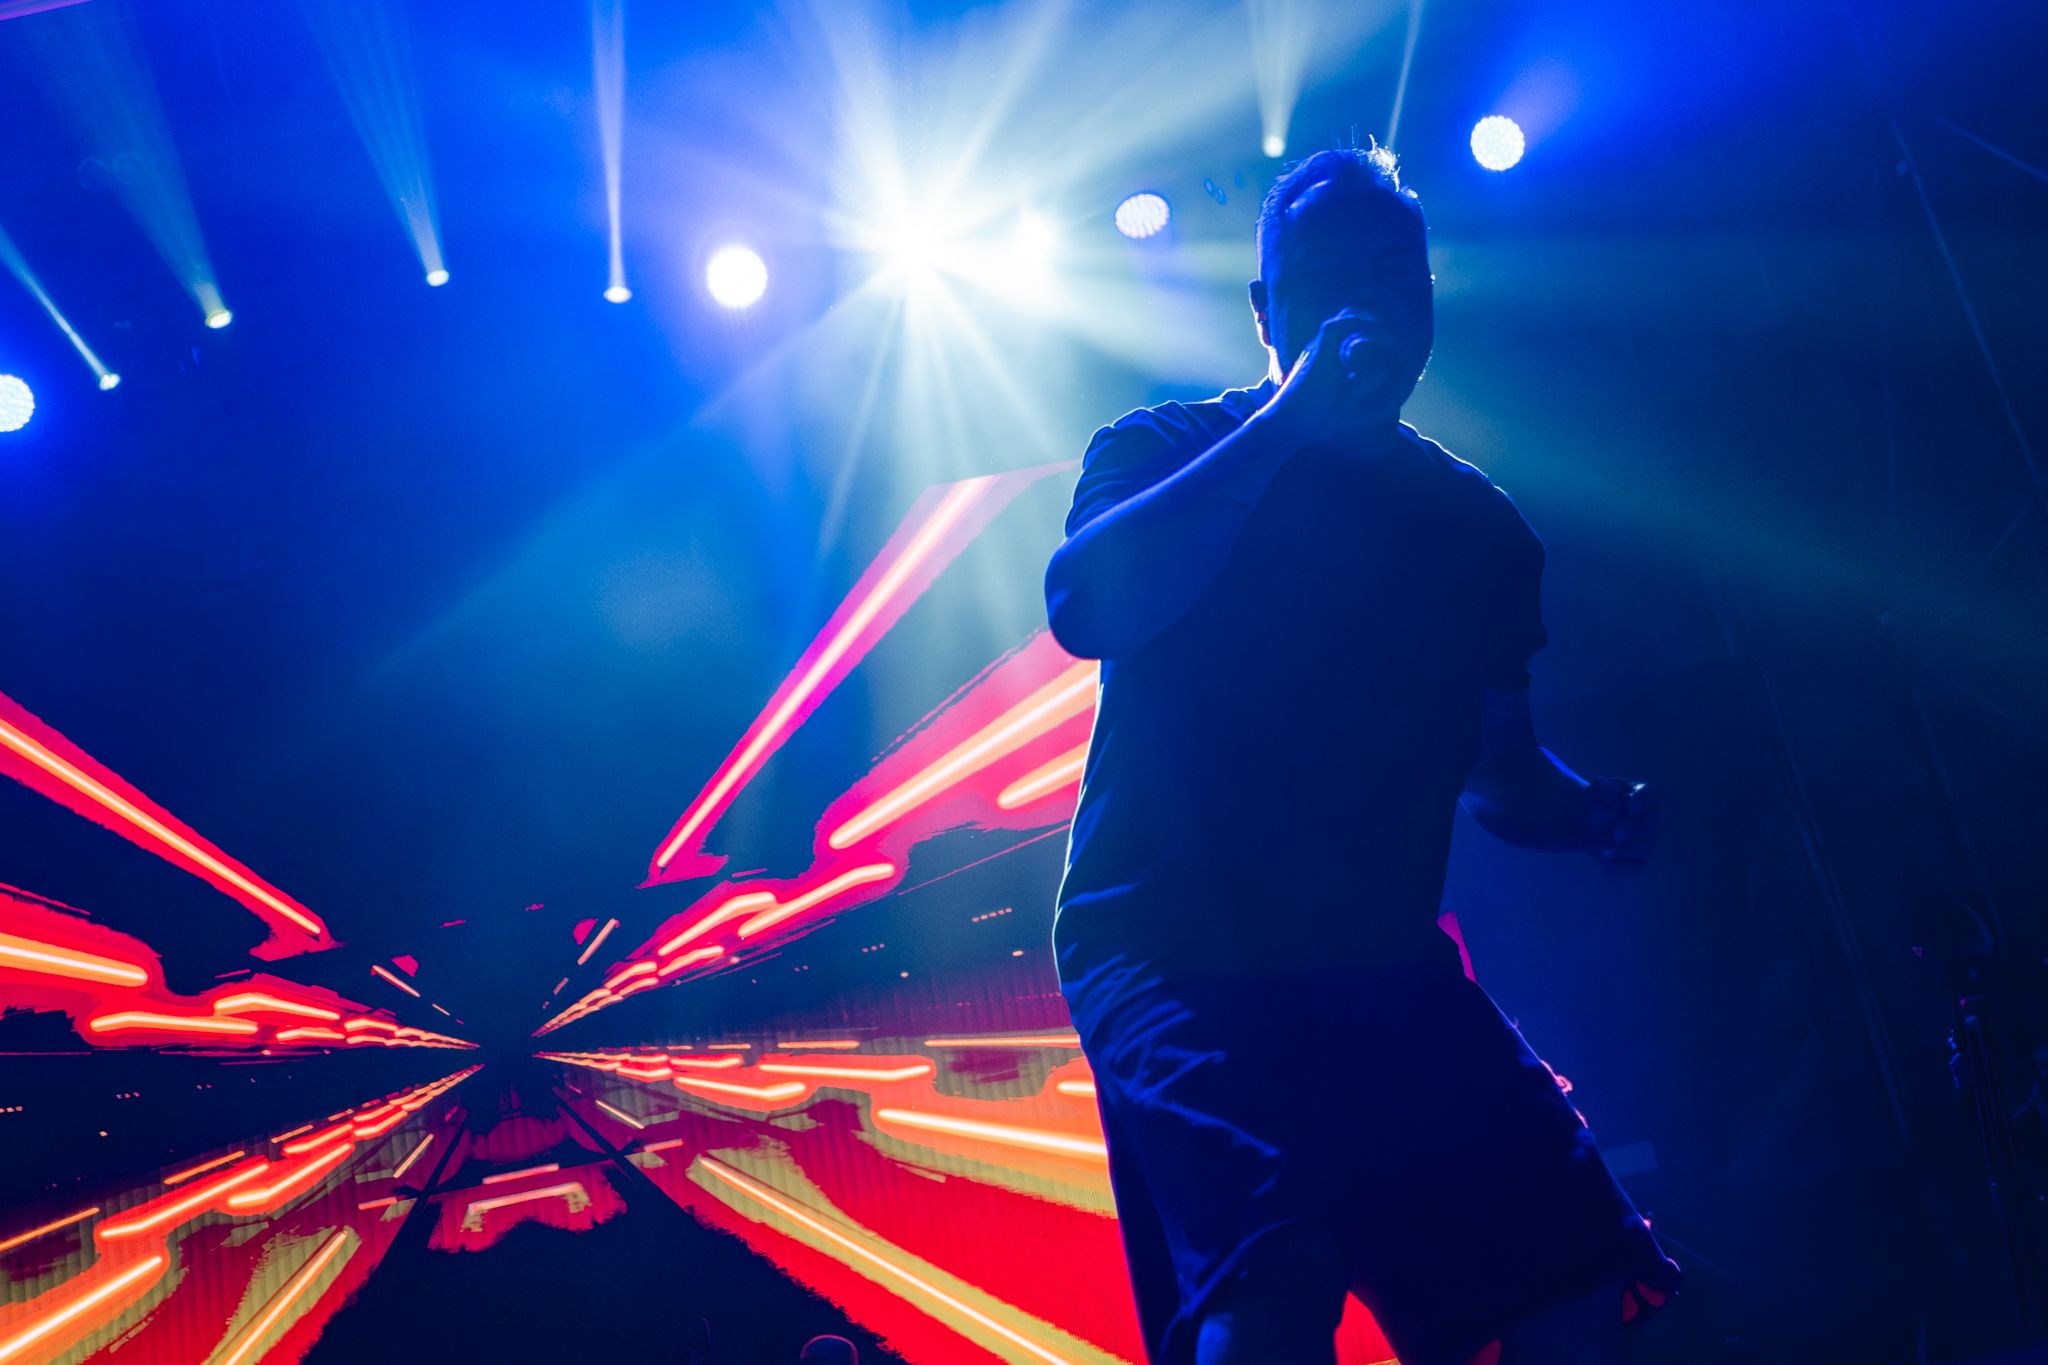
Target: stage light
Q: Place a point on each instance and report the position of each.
(1497, 142)
(109, 380)
(17, 403)
(1142, 215)
(437, 278)
(736, 277)
(617, 293)
(1032, 243)
(11, 257)
(1274, 145)
(219, 318)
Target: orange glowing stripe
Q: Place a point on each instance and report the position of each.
(664, 1144)
(707, 1063)
(729, 1047)
(412, 1156)
(1061, 772)
(303, 1128)
(386, 1202)
(731, 909)
(166, 1023)
(645, 983)
(378, 970)
(621, 1115)
(177, 1212)
(873, 872)
(354, 1025)
(503, 1176)
(320, 1139)
(299, 1035)
(798, 1214)
(286, 1297)
(47, 959)
(942, 519)
(12, 1242)
(248, 1001)
(595, 939)
(859, 1073)
(1076, 1088)
(781, 1090)
(85, 785)
(380, 1126)
(561, 1191)
(1067, 695)
(1016, 1040)
(637, 969)
(294, 1183)
(816, 1044)
(646, 1073)
(78, 1307)
(1008, 1135)
(202, 1168)
(694, 956)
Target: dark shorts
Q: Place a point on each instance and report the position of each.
(1392, 1109)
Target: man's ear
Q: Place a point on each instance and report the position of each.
(1258, 293)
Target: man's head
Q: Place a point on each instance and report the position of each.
(829, 1350)
(1337, 231)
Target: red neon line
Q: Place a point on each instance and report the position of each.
(731, 909)
(110, 801)
(48, 959)
(1016, 1040)
(166, 1023)
(378, 970)
(297, 1182)
(172, 1213)
(85, 1303)
(693, 957)
(285, 1298)
(249, 1001)
(797, 1213)
(767, 919)
(621, 1115)
(295, 1035)
(871, 1073)
(740, 766)
(202, 1168)
(627, 973)
(816, 1044)
(596, 939)
(1066, 696)
(344, 1130)
(562, 1191)
(386, 1202)
(1086, 1088)
(1063, 771)
(503, 1176)
(19, 1238)
(707, 1063)
(728, 1047)
(1005, 1134)
(664, 1144)
(781, 1090)
(302, 1128)
(412, 1156)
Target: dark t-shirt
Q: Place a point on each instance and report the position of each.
(1273, 777)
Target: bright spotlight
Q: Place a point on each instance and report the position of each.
(219, 318)
(1497, 142)
(1033, 242)
(437, 278)
(1142, 215)
(1274, 146)
(736, 277)
(617, 293)
(17, 403)
(109, 380)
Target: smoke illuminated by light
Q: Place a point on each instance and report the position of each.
(365, 44)
(18, 267)
(608, 71)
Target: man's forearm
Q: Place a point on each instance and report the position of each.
(1138, 567)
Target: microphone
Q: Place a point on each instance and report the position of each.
(1359, 359)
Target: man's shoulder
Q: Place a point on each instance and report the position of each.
(1189, 427)
(1467, 484)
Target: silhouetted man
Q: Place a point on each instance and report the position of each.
(1315, 628)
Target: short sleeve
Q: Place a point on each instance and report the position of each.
(1515, 630)
(1124, 459)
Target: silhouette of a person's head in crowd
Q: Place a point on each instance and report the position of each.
(829, 1350)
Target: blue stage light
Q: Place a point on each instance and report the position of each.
(437, 277)
(109, 380)
(1142, 215)
(736, 277)
(219, 318)
(17, 403)
(1497, 142)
